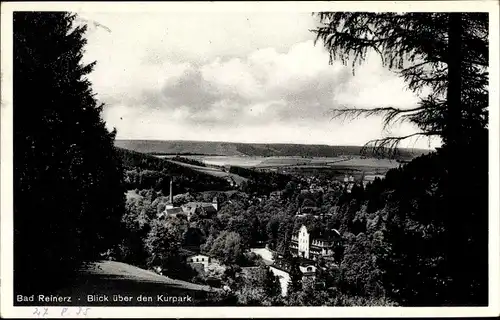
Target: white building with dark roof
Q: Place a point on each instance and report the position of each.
(202, 261)
(312, 247)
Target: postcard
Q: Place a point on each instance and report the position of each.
(249, 159)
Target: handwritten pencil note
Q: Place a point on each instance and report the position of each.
(68, 312)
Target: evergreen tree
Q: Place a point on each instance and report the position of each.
(295, 282)
(427, 201)
(446, 53)
(272, 286)
(68, 191)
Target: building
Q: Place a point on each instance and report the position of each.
(281, 269)
(308, 269)
(231, 181)
(188, 209)
(276, 195)
(175, 211)
(207, 209)
(372, 177)
(202, 262)
(348, 183)
(312, 247)
(171, 210)
(306, 211)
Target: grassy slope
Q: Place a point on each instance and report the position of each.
(104, 269)
(111, 278)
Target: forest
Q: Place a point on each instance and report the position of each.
(144, 171)
(404, 238)
(261, 183)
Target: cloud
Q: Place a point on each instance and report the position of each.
(233, 77)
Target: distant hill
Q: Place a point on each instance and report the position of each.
(248, 149)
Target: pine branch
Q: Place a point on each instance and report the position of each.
(390, 113)
(389, 145)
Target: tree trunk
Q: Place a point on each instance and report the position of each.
(455, 217)
(454, 108)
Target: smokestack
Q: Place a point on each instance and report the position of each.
(171, 190)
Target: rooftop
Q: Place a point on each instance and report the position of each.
(205, 209)
(285, 265)
(174, 211)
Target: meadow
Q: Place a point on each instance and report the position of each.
(303, 159)
(336, 167)
(280, 162)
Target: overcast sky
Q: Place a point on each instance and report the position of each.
(242, 77)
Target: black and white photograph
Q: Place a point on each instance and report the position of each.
(209, 155)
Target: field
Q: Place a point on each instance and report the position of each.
(215, 163)
(217, 172)
(333, 167)
(214, 148)
(221, 161)
(275, 162)
(336, 161)
(239, 161)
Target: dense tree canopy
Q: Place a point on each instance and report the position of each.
(145, 171)
(163, 245)
(227, 246)
(68, 189)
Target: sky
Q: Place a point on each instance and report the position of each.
(241, 77)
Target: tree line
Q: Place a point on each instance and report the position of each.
(189, 161)
(144, 171)
(259, 182)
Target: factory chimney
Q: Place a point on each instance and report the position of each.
(171, 197)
